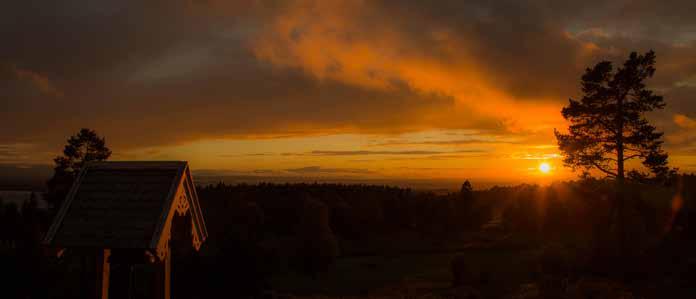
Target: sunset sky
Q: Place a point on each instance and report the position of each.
(342, 89)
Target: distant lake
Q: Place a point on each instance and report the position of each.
(19, 197)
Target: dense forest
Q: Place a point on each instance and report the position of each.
(264, 235)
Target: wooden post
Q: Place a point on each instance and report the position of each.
(94, 273)
(168, 274)
(163, 281)
(103, 273)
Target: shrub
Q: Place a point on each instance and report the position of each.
(319, 246)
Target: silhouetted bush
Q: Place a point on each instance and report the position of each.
(319, 247)
(463, 274)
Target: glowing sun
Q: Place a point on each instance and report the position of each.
(545, 167)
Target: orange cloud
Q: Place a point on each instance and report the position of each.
(350, 41)
(684, 135)
(684, 121)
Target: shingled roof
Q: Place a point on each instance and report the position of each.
(127, 205)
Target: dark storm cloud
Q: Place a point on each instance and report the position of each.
(521, 45)
(156, 72)
(528, 49)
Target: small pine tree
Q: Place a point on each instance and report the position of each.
(84, 147)
(466, 188)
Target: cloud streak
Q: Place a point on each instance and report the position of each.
(315, 170)
(389, 153)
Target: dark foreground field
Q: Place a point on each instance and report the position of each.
(420, 272)
(505, 269)
(356, 241)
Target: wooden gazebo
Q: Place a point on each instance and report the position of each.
(121, 214)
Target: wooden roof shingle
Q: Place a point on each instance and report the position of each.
(126, 205)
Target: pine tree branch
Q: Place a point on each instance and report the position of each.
(632, 156)
(607, 126)
(626, 148)
(602, 169)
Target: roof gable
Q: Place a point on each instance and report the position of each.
(126, 205)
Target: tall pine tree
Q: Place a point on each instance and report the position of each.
(608, 125)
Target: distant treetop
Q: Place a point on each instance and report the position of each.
(86, 146)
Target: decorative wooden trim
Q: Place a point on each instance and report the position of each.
(164, 216)
(182, 202)
(196, 211)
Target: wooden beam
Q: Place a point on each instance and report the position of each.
(163, 280)
(103, 274)
(168, 274)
